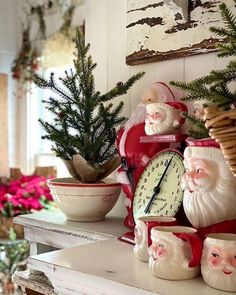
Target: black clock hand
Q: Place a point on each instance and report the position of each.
(156, 189)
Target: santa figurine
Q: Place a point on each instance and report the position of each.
(134, 154)
(209, 188)
(164, 118)
(171, 257)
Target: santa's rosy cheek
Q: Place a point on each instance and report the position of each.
(215, 260)
(161, 252)
(233, 261)
(156, 116)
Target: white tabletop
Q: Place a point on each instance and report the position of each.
(111, 226)
(52, 228)
(109, 267)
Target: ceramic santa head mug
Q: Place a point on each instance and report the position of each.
(218, 264)
(209, 188)
(175, 252)
(164, 117)
(142, 233)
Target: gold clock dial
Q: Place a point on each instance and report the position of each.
(158, 191)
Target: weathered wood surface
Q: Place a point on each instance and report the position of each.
(52, 228)
(155, 31)
(4, 167)
(36, 282)
(109, 268)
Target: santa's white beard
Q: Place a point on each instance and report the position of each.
(217, 279)
(141, 251)
(174, 269)
(162, 127)
(206, 208)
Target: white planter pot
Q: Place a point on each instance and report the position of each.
(84, 201)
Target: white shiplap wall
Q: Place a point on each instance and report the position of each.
(9, 40)
(105, 30)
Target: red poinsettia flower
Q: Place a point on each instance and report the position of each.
(24, 195)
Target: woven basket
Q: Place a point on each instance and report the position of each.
(222, 127)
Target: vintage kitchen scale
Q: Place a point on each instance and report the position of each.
(157, 190)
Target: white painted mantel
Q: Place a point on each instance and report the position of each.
(92, 261)
(52, 229)
(108, 268)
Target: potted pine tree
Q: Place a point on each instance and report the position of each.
(83, 134)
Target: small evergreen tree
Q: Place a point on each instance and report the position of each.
(214, 87)
(85, 124)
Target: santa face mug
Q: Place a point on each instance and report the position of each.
(175, 252)
(164, 118)
(209, 186)
(142, 233)
(218, 264)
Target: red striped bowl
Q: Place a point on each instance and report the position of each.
(84, 201)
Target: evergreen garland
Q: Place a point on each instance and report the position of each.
(85, 122)
(214, 87)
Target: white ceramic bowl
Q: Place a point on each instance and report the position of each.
(84, 201)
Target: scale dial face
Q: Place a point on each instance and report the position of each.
(170, 196)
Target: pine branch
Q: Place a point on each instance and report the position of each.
(226, 50)
(222, 32)
(198, 129)
(43, 83)
(228, 17)
(120, 89)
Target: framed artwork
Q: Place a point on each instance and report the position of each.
(165, 29)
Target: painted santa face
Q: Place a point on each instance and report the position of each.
(223, 260)
(201, 175)
(169, 256)
(209, 187)
(160, 250)
(218, 264)
(161, 119)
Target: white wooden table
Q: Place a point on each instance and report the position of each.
(108, 268)
(92, 261)
(47, 230)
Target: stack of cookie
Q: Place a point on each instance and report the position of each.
(222, 127)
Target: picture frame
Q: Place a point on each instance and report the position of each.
(158, 30)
